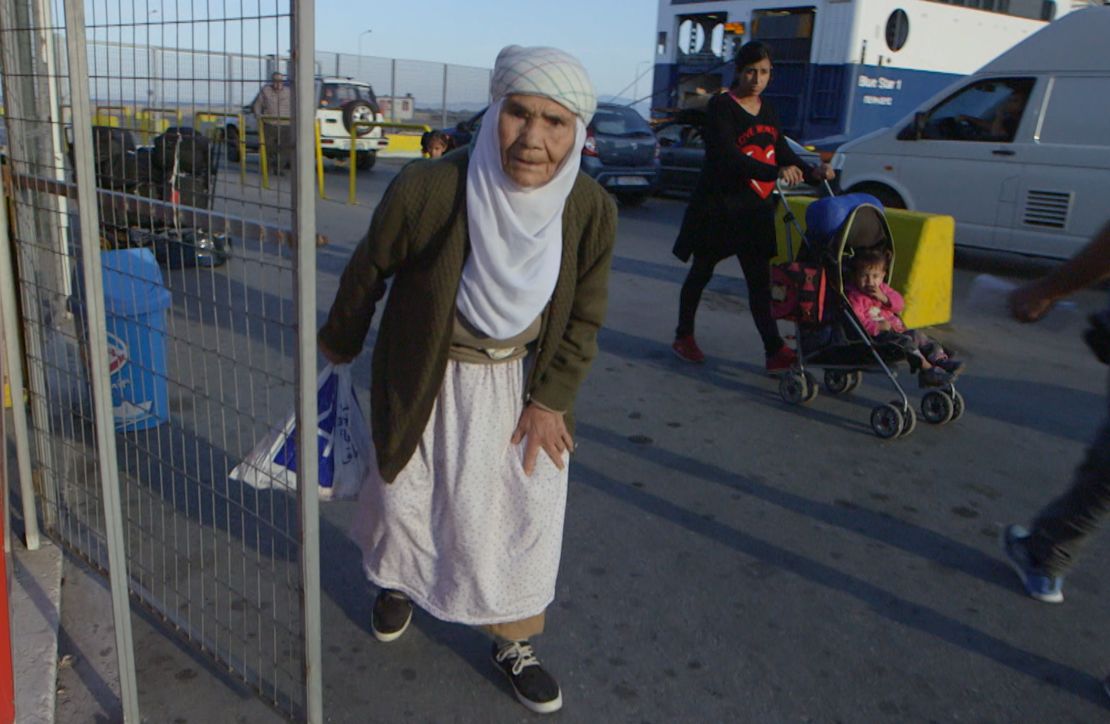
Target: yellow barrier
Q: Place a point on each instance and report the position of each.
(220, 136)
(319, 161)
(351, 196)
(923, 259)
(150, 122)
(104, 116)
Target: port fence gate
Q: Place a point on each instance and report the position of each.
(160, 313)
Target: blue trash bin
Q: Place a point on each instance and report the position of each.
(135, 304)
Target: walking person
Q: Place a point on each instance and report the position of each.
(1042, 554)
(731, 212)
(500, 260)
(273, 107)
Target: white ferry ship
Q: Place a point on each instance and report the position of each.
(842, 67)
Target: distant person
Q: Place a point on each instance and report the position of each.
(732, 212)
(1042, 554)
(877, 305)
(435, 143)
(1003, 124)
(499, 257)
(273, 107)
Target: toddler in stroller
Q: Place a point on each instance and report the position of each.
(877, 306)
(837, 291)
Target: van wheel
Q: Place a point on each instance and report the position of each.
(364, 160)
(886, 195)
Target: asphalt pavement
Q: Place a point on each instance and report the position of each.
(727, 557)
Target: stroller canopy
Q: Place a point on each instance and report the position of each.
(825, 217)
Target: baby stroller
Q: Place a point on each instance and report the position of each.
(810, 292)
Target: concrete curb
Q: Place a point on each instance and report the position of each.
(35, 608)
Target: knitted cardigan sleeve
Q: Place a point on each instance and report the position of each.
(363, 283)
(558, 386)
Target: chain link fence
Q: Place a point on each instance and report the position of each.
(142, 76)
(164, 312)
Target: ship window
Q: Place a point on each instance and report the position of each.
(897, 30)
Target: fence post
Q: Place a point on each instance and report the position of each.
(304, 219)
(443, 106)
(393, 90)
(107, 463)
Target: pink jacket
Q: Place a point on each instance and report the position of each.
(871, 312)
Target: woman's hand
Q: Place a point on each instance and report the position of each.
(542, 429)
(333, 357)
(824, 172)
(1030, 302)
(791, 175)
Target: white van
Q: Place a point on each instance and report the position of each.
(1018, 153)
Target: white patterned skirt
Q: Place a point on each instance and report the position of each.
(463, 531)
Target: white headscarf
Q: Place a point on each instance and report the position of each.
(516, 233)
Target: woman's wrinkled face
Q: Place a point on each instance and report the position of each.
(535, 134)
(753, 79)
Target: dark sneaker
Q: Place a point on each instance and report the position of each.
(782, 360)
(1106, 685)
(933, 377)
(392, 615)
(686, 348)
(535, 688)
(1038, 584)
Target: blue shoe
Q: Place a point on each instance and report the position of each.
(1038, 584)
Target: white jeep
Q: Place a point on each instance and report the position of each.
(340, 104)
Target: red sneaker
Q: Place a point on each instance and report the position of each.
(782, 360)
(686, 348)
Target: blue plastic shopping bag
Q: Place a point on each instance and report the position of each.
(343, 443)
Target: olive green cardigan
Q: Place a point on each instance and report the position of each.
(419, 235)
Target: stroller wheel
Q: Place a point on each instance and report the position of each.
(909, 422)
(957, 403)
(812, 388)
(887, 421)
(855, 379)
(838, 382)
(937, 407)
(793, 388)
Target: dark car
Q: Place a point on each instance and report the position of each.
(682, 152)
(621, 153)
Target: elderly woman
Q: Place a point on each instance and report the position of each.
(500, 256)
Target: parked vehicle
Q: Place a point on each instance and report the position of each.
(341, 103)
(682, 153)
(1018, 153)
(621, 153)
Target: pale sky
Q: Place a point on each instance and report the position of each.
(614, 39)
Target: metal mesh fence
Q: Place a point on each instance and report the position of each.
(198, 274)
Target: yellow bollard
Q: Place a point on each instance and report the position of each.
(351, 197)
(319, 162)
(262, 154)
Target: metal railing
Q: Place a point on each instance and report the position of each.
(155, 364)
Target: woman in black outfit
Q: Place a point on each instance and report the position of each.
(732, 211)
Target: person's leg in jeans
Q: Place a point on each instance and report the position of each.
(701, 271)
(1066, 523)
(1043, 555)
